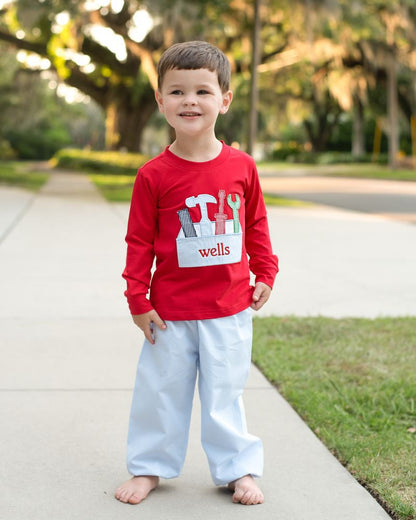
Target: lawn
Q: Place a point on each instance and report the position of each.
(353, 381)
(118, 188)
(355, 170)
(115, 188)
(370, 171)
(21, 175)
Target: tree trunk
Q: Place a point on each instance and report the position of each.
(126, 119)
(319, 132)
(254, 95)
(321, 124)
(392, 110)
(358, 138)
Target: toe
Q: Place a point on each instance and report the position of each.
(135, 499)
(238, 495)
(124, 495)
(258, 499)
(247, 499)
(118, 493)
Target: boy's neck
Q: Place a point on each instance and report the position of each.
(196, 150)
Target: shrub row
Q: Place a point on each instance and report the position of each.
(115, 163)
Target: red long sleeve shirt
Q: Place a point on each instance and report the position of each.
(203, 253)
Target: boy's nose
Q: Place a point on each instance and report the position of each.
(189, 100)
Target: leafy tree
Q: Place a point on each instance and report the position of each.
(34, 119)
(337, 52)
(63, 32)
(94, 45)
(319, 59)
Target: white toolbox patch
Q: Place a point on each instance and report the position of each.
(209, 249)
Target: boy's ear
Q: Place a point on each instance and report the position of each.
(159, 100)
(226, 102)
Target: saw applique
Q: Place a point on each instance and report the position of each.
(210, 242)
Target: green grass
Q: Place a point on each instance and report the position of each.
(370, 171)
(115, 188)
(358, 170)
(118, 188)
(20, 175)
(272, 166)
(353, 381)
(276, 200)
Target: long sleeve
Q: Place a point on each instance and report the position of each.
(262, 262)
(140, 238)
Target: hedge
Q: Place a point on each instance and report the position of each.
(103, 162)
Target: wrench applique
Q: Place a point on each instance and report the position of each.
(235, 206)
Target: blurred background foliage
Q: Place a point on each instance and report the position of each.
(334, 75)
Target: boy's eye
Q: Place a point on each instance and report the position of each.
(177, 92)
(202, 92)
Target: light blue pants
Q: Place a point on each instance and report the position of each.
(219, 351)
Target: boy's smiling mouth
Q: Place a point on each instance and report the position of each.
(190, 114)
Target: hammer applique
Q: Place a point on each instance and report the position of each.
(202, 201)
(235, 206)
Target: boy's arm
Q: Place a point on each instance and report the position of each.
(140, 237)
(262, 262)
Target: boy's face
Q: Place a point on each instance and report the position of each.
(191, 100)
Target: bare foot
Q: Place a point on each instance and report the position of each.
(136, 489)
(246, 491)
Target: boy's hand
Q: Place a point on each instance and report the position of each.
(261, 294)
(147, 321)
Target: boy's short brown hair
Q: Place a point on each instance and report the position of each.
(195, 55)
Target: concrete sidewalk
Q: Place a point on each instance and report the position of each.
(69, 351)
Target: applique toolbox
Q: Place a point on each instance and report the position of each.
(210, 242)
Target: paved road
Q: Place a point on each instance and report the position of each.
(395, 199)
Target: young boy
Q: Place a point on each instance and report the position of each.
(198, 209)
